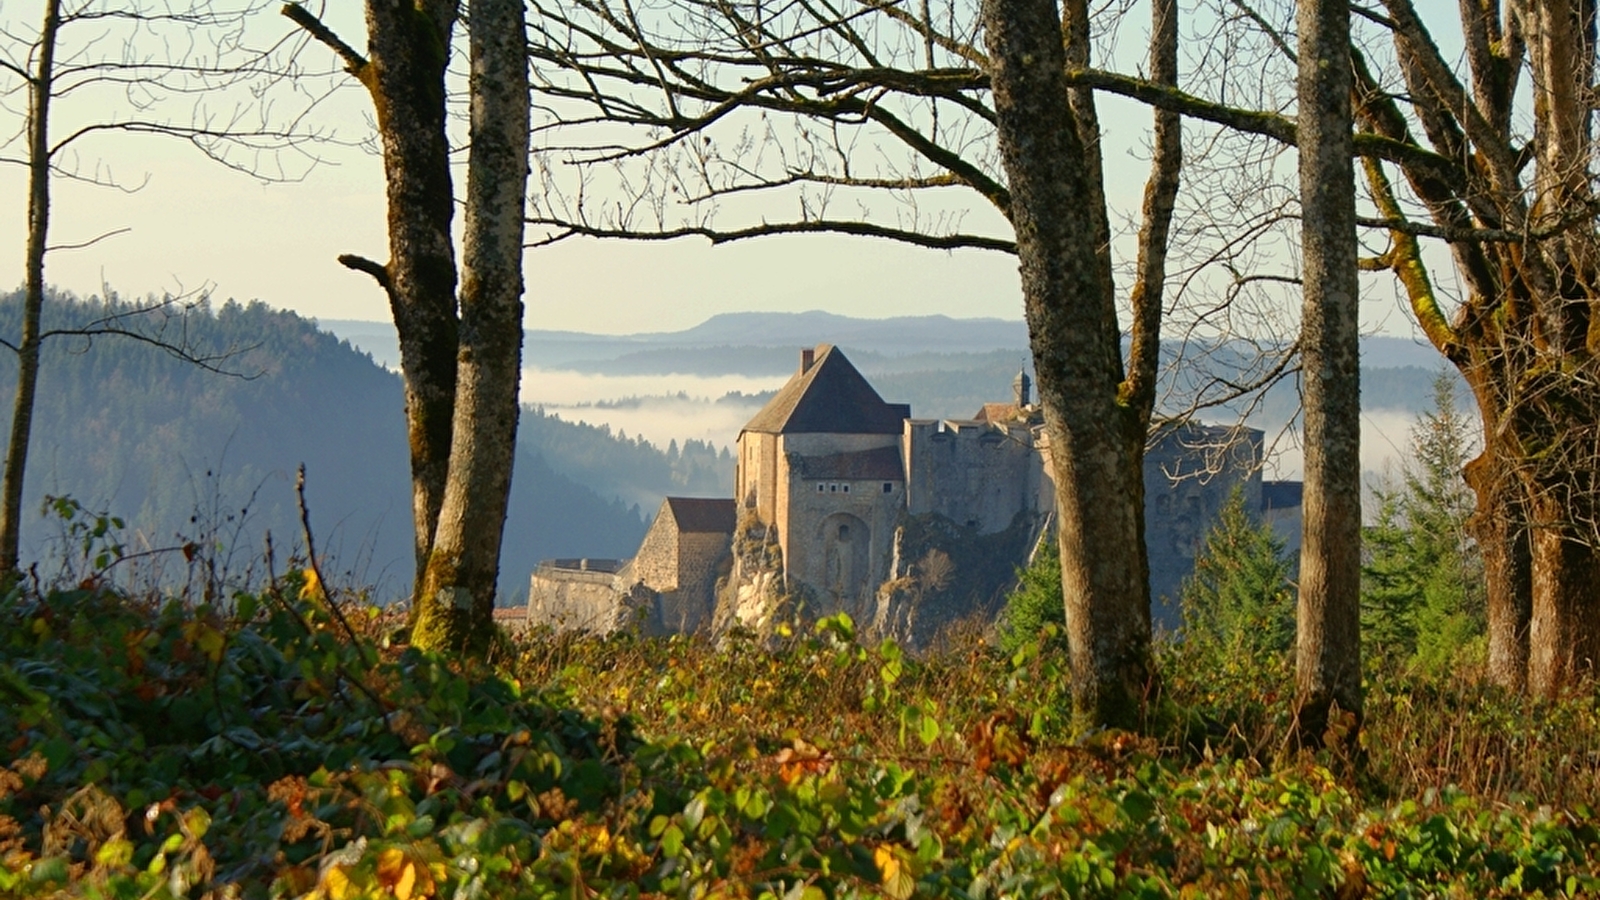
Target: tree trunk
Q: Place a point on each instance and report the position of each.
(455, 606)
(410, 47)
(16, 464)
(1328, 652)
(1095, 441)
(1563, 642)
(1499, 525)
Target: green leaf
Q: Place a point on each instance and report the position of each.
(672, 840)
(53, 868)
(1138, 807)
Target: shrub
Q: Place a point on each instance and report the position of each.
(1036, 604)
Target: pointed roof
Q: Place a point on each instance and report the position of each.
(829, 397)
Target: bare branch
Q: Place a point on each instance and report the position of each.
(815, 226)
(90, 242)
(354, 62)
(378, 271)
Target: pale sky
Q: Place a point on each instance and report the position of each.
(195, 223)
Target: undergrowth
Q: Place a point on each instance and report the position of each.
(260, 748)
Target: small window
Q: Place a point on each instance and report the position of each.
(833, 489)
(845, 488)
(821, 487)
(844, 532)
(888, 487)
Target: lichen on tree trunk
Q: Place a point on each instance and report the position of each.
(1095, 441)
(456, 603)
(1328, 619)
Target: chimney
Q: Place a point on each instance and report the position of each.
(807, 357)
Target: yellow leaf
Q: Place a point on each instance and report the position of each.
(336, 884)
(408, 880)
(390, 862)
(313, 587)
(898, 882)
(211, 642)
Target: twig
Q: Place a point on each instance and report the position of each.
(311, 561)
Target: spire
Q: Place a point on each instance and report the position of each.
(1023, 387)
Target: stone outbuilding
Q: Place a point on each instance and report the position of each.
(674, 575)
(667, 588)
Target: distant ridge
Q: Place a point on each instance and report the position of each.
(897, 336)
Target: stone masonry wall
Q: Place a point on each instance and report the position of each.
(703, 557)
(975, 474)
(571, 599)
(1189, 473)
(840, 542)
(656, 563)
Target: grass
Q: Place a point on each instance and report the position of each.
(254, 748)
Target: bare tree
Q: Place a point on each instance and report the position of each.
(822, 100)
(1517, 211)
(461, 370)
(1328, 619)
(48, 69)
(1096, 414)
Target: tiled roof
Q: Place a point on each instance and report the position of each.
(831, 397)
(881, 464)
(998, 412)
(697, 515)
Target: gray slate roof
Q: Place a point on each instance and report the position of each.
(829, 398)
(696, 515)
(881, 464)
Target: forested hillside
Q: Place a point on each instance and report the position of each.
(183, 453)
(632, 470)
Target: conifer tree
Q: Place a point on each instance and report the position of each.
(1423, 593)
(1239, 602)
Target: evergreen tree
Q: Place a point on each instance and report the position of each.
(1036, 602)
(1423, 597)
(1238, 605)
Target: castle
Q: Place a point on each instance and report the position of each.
(843, 502)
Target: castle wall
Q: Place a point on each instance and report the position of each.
(975, 474)
(757, 477)
(1189, 472)
(572, 599)
(793, 532)
(840, 541)
(656, 564)
(687, 607)
(829, 444)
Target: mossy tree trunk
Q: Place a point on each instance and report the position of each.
(408, 46)
(458, 590)
(461, 373)
(1527, 334)
(1328, 618)
(1095, 413)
